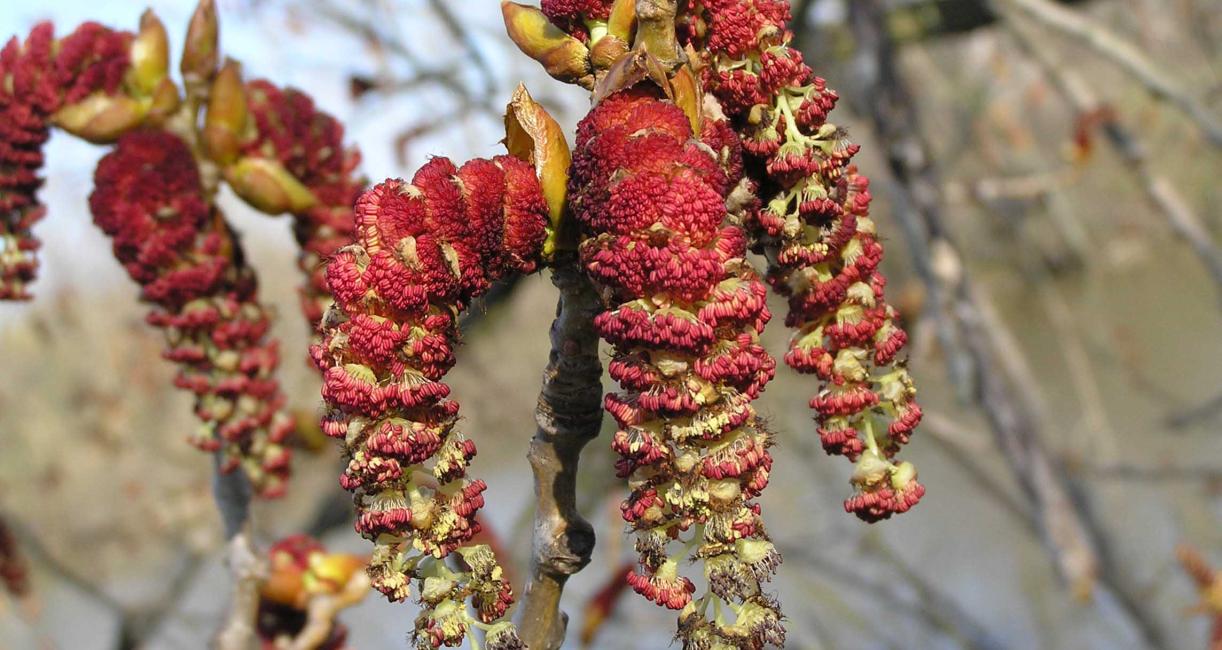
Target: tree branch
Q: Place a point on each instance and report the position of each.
(1120, 52)
(998, 386)
(1160, 191)
(569, 415)
(232, 492)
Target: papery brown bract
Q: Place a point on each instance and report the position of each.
(148, 198)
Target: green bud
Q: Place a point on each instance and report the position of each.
(200, 52)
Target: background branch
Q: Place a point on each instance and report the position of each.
(1158, 189)
(997, 388)
(232, 492)
(1120, 52)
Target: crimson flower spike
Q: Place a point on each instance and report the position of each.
(423, 251)
(684, 314)
(281, 154)
(95, 83)
(811, 220)
(149, 199)
(684, 307)
(104, 86)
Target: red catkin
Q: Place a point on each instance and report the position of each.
(37, 78)
(812, 221)
(148, 198)
(310, 145)
(683, 311)
(422, 252)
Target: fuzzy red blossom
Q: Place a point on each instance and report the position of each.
(684, 312)
(37, 78)
(664, 587)
(149, 200)
(574, 16)
(309, 143)
(812, 221)
(423, 251)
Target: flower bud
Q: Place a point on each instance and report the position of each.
(200, 53)
(267, 186)
(166, 101)
(150, 54)
(562, 56)
(226, 122)
(101, 118)
(329, 572)
(606, 51)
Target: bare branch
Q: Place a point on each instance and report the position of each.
(569, 415)
(232, 492)
(998, 389)
(1082, 98)
(1120, 52)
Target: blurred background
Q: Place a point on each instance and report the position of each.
(1046, 179)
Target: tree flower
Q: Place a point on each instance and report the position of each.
(422, 252)
(148, 198)
(684, 313)
(811, 219)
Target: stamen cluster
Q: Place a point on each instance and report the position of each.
(423, 251)
(575, 16)
(149, 199)
(310, 145)
(684, 313)
(37, 78)
(812, 221)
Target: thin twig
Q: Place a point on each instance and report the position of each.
(1188, 416)
(1152, 472)
(931, 606)
(323, 610)
(1160, 191)
(1078, 546)
(569, 415)
(1120, 52)
(1081, 374)
(475, 54)
(232, 492)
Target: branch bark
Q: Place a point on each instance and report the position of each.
(232, 492)
(569, 415)
(655, 29)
